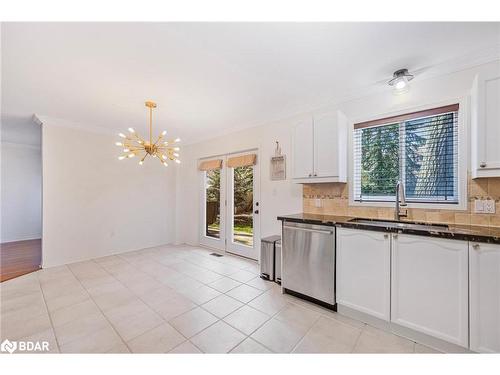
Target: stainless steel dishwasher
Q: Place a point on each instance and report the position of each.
(308, 256)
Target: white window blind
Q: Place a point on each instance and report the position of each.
(420, 149)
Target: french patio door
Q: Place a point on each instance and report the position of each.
(230, 205)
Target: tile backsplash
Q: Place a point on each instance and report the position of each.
(335, 201)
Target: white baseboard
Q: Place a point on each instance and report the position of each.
(27, 238)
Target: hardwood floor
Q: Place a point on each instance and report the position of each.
(19, 258)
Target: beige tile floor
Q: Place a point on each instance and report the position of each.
(176, 299)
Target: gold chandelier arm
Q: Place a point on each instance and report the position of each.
(160, 137)
(138, 138)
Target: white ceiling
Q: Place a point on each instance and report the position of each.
(210, 78)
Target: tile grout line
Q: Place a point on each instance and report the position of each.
(305, 334)
(164, 320)
(48, 313)
(357, 339)
(139, 297)
(99, 308)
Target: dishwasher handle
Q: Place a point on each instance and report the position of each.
(322, 231)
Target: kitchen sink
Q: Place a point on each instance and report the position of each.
(400, 224)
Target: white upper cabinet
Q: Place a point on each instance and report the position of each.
(430, 286)
(484, 261)
(325, 153)
(364, 271)
(320, 149)
(485, 124)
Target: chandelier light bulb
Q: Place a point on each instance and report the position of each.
(121, 157)
(177, 161)
(165, 164)
(126, 150)
(131, 130)
(176, 154)
(131, 155)
(141, 162)
(119, 144)
(176, 148)
(163, 132)
(122, 135)
(177, 140)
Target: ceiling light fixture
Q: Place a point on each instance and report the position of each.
(134, 145)
(400, 80)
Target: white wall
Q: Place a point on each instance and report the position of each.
(21, 192)
(284, 197)
(95, 205)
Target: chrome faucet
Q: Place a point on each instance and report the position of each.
(400, 209)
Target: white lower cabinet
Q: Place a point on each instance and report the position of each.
(484, 260)
(363, 271)
(429, 286)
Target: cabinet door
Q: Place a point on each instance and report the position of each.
(363, 271)
(326, 151)
(484, 297)
(429, 286)
(485, 127)
(303, 149)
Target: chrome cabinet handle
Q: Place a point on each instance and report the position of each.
(482, 164)
(310, 174)
(475, 246)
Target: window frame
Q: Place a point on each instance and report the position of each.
(463, 152)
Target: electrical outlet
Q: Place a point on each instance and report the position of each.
(318, 203)
(478, 206)
(489, 206)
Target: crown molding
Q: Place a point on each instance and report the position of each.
(44, 120)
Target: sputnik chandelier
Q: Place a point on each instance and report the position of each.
(133, 145)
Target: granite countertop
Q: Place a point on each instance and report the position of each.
(473, 233)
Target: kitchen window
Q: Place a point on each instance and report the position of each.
(420, 149)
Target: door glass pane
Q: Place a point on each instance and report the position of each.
(243, 205)
(212, 203)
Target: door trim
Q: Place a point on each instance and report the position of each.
(231, 247)
(205, 240)
(222, 244)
